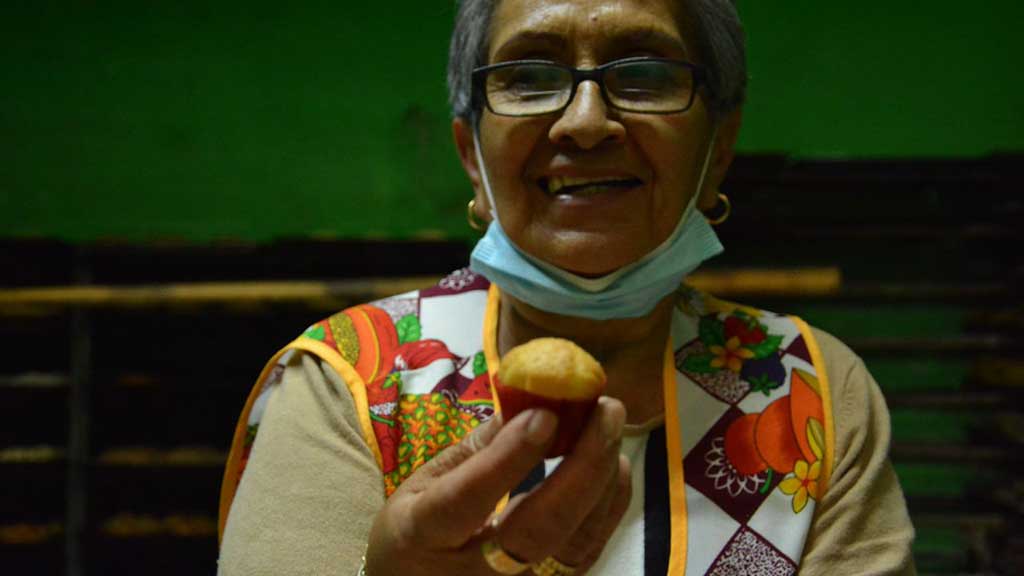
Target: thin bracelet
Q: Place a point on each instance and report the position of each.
(362, 566)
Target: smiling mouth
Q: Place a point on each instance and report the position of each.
(567, 186)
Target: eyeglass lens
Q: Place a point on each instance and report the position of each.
(643, 86)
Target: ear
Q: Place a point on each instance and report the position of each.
(464, 135)
(721, 158)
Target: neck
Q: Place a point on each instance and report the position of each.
(631, 350)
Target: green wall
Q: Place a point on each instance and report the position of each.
(885, 78)
(143, 120)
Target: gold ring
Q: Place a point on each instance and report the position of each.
(552, 567)
(499, 560)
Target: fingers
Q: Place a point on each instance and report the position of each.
(571, 516)
(585, 546)
(584, 484)
(475, 479)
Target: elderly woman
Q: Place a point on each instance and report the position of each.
(595, 134)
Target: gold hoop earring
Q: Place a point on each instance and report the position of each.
(471, 217)
(725, 207)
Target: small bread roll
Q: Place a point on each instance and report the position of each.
(555, 374)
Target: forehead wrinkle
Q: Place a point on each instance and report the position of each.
(542, 20)
(607, 25)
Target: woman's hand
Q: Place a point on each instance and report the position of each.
(436, 522)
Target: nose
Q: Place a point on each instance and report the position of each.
(586, 122)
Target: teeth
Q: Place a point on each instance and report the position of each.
(588, 191)
(556, 183)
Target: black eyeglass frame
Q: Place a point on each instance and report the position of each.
(479, 79)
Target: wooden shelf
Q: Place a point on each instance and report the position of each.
(129, 525)
(181, 457)
(35, 380)
(723, 283)
(32, 454)
(29, 534)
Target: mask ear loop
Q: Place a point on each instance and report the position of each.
(493, 208)
(692, 205)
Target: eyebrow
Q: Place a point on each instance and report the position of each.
(531, 39)
(651, 37)
(646, 37)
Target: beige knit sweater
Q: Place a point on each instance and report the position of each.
(311, 488)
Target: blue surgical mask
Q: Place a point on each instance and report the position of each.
(630, 292)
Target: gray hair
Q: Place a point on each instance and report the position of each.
(721, 45)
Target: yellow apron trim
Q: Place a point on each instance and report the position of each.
(826, 399)
(230, 480)
(355, 385)
(676, 480)
(354, 382)
(492, 357)
(491, 354)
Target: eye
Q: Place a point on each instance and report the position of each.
(528, 80)
(644, 76)
(639, 80)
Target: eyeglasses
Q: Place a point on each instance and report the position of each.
(535, 87)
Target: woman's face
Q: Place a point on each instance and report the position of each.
(604, 227)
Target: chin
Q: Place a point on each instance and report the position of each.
(591, 264)
(593, 260)
(592, 272)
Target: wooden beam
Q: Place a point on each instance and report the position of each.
(725, 283)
